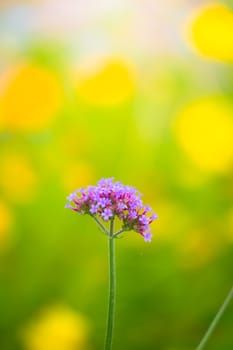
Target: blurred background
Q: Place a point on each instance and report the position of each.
(141, 90)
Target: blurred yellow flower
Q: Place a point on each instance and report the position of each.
(17, 178)
(105, 82)
(204, 130)
(56, 328)
(30, 97)
(5, 223)
(210, 31)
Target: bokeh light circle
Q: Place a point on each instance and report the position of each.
(105, 81)
(210, 31)
(204, 131)
(56, 327)
(30, 98)
(18, 180)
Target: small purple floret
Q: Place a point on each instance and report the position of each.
(109, 199)
(106, 214)
(72, 196)
(147, 237)
(94, 208)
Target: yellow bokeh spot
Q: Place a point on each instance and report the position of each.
(5, 223)
(78, 175)
(105, 82)
(210, 31)
(56, 328)
(30, 97)
(18, 180)
(204, 130)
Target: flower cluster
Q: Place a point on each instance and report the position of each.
(111, 199)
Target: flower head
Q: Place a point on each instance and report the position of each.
(109, 199)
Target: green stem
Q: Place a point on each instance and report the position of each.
(112, 289)
(215, 320)
(119, 232)
(103, 228)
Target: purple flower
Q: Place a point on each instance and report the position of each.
(144, 219)
(153, 217)
(103, 202)
(94, 208)
(147, 237)
(106, 214)
(132, 215)
(72, 196)
(121, 206)
(109, 199)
